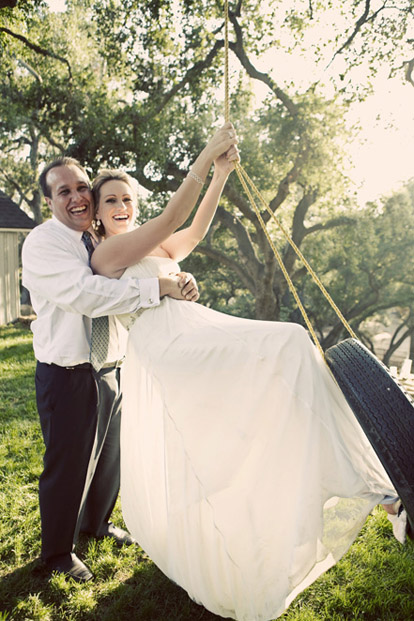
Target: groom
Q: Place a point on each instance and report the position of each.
(79, 406)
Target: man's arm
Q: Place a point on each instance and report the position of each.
(56, 271)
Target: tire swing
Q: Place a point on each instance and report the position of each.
(382, 407)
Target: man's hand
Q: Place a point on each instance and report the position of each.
(189, 289)
(180, 286)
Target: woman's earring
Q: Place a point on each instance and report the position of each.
(98, 222)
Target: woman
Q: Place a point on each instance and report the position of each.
(244, 473)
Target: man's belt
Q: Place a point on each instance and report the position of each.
(87, 365)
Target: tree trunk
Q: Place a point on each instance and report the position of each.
(267, 304)
(36, 207)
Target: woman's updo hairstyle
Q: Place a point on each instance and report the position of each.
(105, 175)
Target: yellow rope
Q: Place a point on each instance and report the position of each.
(301, 257)
(246, 181)
(226, 63)
(292, 288)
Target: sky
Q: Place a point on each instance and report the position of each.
(385, 159)
(384, 154)
(56, 5)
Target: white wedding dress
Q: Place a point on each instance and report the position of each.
(244, 474)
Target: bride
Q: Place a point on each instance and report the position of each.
(245, 474)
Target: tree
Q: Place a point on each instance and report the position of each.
(134, 84)
(367, 268)
(22, 93)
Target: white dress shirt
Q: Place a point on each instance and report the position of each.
(65, 295)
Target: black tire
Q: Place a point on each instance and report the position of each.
(384, 411)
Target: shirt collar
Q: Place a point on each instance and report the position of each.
(76, 235)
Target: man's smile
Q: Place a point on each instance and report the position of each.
(78, 210)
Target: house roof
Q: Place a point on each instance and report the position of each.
(11, 216)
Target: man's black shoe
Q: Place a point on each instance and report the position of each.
(71, 566)
(121, 536)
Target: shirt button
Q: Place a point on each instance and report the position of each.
(150, 301)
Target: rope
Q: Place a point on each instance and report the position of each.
(302, 258)
(226, 63)
(292, 288)
(246, 182)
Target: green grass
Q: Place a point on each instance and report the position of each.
(374, 581)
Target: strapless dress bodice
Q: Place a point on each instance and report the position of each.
(152, 267)
(148, 267)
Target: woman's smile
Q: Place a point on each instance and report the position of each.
(116, 208)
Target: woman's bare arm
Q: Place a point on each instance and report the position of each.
(180, 244)
(118, 252)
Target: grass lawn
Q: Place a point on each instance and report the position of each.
(374, 581)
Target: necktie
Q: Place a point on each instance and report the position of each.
(100, 325)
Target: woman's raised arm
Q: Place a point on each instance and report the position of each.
(180, 244)
(118, 252)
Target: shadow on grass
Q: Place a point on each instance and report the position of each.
(16, 339)
(20, 583)
(147, 596)
(18, 351)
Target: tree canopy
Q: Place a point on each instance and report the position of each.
(139, 85)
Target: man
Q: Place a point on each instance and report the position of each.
(79, 406)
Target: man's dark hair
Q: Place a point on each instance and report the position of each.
(60, 161)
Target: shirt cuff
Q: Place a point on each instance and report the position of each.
(149, 292)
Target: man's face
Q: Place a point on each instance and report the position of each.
(71, 201)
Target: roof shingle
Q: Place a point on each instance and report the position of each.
(11, 216)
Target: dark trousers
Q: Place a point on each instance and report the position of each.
(80, 418)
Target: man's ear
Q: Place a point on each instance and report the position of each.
(48, 202)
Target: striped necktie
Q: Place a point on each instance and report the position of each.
(100, 325)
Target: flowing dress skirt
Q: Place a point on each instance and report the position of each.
(244, 473)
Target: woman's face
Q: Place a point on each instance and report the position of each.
(116, 209)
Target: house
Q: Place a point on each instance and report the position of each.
(14, 225)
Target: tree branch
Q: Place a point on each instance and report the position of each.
(224, 259)
(360, 312)
(193, 72)
(330, 224)
(242, 204)
(409, 68)
(238, 48)
(30, 70)
(360, 22)
(53, 142)
(16, 186)
(397, 331)
(298, 228)
(284, 185)
(36, 48)
(246, 248)
(395, 344)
